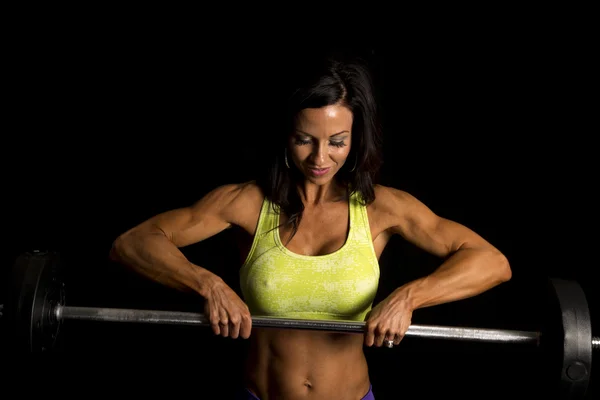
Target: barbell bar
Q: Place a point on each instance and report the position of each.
(190, 318)
(36, 310)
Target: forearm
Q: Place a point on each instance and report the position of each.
(467, 273)
(154, 256)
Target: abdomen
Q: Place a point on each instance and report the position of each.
(294, 364)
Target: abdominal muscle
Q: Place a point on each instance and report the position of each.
(296, 364)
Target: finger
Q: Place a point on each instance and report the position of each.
(234, 327)
(389, 336)
(214, 324)
(245, 326)
(380, 333)
(389, 340)
(224, 323)
(370, 333)
(398, 338)
(224, 328)
(213, 319)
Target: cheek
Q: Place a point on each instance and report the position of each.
(300, 152)
(340, 153)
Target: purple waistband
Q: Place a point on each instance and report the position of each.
(369, 395)
(248, 395)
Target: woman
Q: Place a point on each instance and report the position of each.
(315, 226)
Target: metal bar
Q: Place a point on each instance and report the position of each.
(190, 318)
(474, 334)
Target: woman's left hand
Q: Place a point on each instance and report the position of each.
(388, 320)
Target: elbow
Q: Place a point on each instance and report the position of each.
(502, 268)
(116, 249)
(126, 246)
(120, 247)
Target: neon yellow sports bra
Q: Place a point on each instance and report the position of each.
(277, 282)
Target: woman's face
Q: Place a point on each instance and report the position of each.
(320, 143)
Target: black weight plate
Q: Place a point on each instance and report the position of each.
(566, 340)
(36, 288)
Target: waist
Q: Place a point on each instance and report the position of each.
(299, 364)
(247, 394)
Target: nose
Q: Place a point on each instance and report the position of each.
(319, 154)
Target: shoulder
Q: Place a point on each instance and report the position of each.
(393, 205)
(233, 203)
(240, 191)
(389, 198)
(233, 196)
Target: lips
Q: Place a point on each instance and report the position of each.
(319, 171)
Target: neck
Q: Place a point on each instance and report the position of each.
(312, 194)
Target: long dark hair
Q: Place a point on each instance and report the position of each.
(334, 79)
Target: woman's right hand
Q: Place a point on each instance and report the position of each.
(227, 313)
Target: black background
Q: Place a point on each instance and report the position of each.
(114, 121)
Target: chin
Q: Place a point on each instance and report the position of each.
(319, 180)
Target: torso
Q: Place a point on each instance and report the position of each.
(299, 364)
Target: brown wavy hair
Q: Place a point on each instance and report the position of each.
(332, 79)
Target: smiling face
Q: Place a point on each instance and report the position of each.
(320, 143)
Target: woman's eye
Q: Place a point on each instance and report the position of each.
(337, 143)
(302, 141)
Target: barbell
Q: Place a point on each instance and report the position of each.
(36, 309)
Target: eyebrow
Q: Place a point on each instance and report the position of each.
(308, 134)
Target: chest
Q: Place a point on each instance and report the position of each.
(320, 231)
